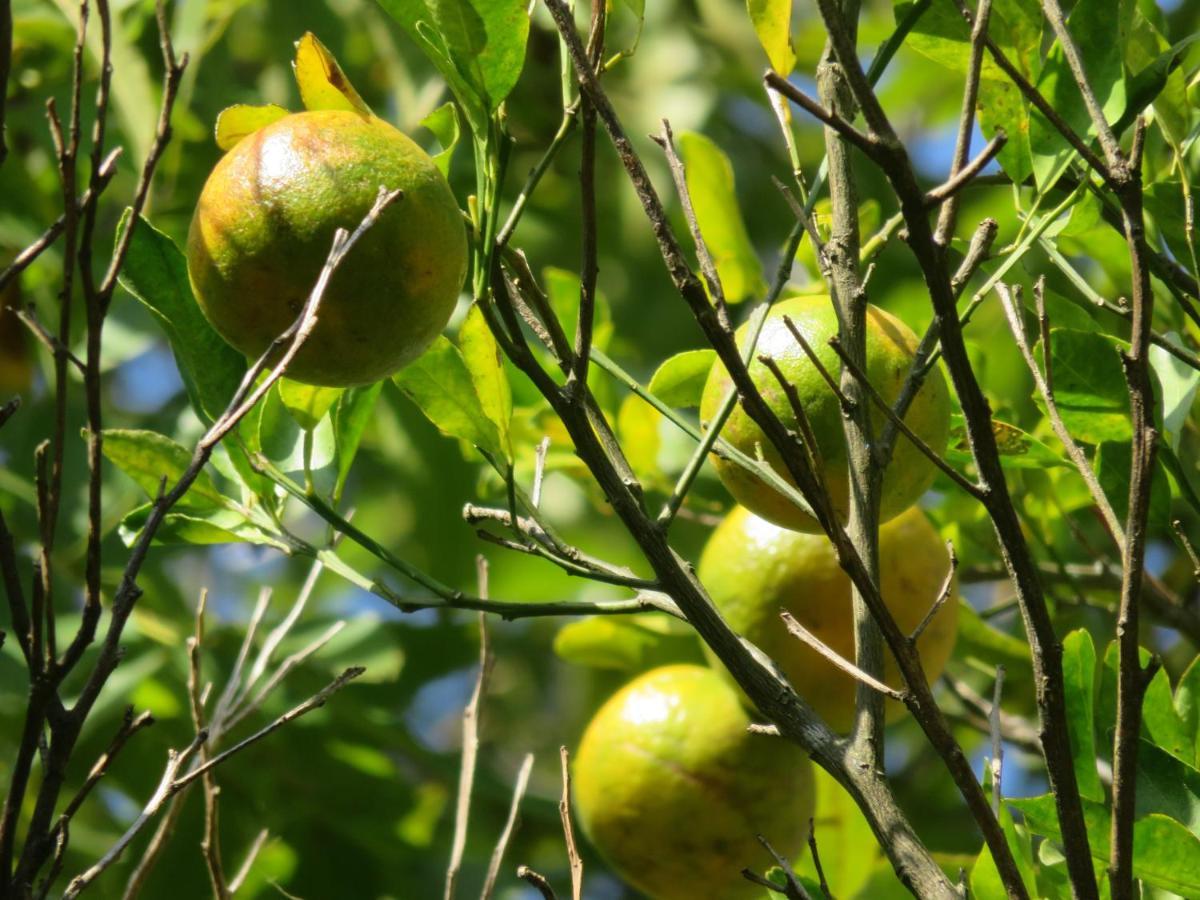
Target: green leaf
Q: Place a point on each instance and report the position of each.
(1156, 76)
(1167, 785)
(1165, 853)
(1091, 24)
(323, 84)
(772, 23)
(350, 418)
(307, 403)
(627, 644)
(637, 426)
(1079, 676)
(1113, 459)
(478, 45)
(679, 381)
(1018, 448)
(1164, 201)
(1016, 27)
(242, 120)
(197, 527)
(710, 182)
(148, 457)
(1187, 705)
(1160, 722)
(282, 437)
(986, 883)
(979, 641)
(562, 287)
(481, 354)
(604, 642)
(440, 383)
(155, 272)
(1089, 385)
(443, 122)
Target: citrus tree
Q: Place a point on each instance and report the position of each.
(795, 501)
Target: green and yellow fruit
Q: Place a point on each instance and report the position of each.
(753, 569)
(671, 788)
(890, 348)
(265, 223)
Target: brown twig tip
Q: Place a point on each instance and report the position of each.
(943, 595)
(1188, 546)
(538, 881)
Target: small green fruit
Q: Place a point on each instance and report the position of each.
(752, 569)
(672, 788)
(890, 348)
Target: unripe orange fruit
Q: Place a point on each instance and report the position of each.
(672, 788)
(890, 348)
(752, 569)
(264, 225)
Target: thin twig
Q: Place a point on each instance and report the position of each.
(1009, 300)
(943, 595)
(966, 121)
(816, 858)
(564, 812)
(470, 751)
(243, 871)
(510, 825)
(952, 473)
(799, 631)
(172, 782)
(997, 763)
(793, 883)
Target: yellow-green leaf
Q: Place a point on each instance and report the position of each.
(323, 84)
(242, 120)
(710, 182)
(772, 23)
(307, 403)
(443, 122)
(482, 356)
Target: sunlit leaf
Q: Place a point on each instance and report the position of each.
(440, 383)
(1165, 853)
(307, 403)
(1091, 25)
(483, 360)
(772, 23)
(350, 418)
(637, 427)
(629, 644)
(283, 438)
(323, 84)
(242, 120)
(148, 458)
(443, 122)
(710, 182)
(1018, 448)
(155, 272)
(197, 527)
(478, 45)
(679, 381)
